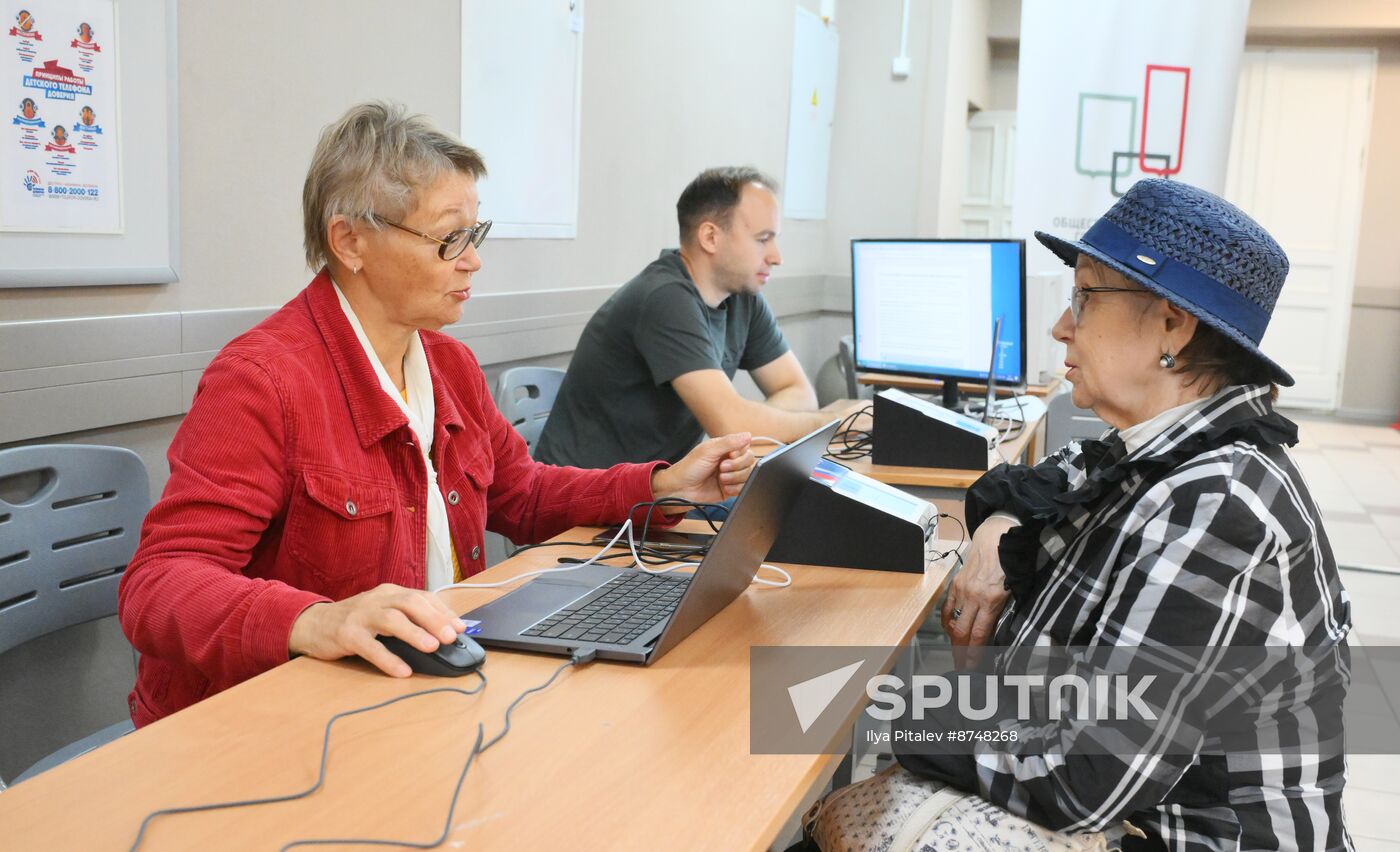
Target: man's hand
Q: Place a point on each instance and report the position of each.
(715, 470)
(329, 631)
(978, 593)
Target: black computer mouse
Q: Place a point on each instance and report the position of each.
(451, 660)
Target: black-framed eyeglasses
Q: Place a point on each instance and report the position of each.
(1080, 295)
(450, 246)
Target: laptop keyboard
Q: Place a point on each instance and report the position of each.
(617, 612)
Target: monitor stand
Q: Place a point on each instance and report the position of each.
(951, 397)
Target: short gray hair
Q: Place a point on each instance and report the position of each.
(375, 159)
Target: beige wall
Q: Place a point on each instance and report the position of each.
(1004, 20)
(1378, 261)
(877, 140)
(1337, 17)
(669, 88)
(1001, 89)
(1266, 18)
(1371, 383)
(958, 63)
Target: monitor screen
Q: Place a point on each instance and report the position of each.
(929, 307)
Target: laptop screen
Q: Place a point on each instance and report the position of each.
(747, 535)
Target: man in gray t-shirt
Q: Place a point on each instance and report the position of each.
(652, 372)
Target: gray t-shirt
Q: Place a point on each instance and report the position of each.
(617, 403)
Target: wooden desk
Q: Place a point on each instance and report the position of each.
(943, 477)
(927, 385)
(613, 756)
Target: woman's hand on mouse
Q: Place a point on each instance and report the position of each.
(329, 631)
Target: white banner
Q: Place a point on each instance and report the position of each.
(1111, 92)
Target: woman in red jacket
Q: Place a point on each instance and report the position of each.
(343, 457)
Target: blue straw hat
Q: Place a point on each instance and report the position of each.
(1196, 250)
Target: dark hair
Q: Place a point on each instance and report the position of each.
(714, 194)
(1215, 359)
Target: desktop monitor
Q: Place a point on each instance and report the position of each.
(932, 308)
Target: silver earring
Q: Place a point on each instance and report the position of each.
(1167, 361)
(355, 271)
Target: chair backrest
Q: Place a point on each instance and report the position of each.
(65, 541)
(1065, 422)
(846, 358)
(525, 395)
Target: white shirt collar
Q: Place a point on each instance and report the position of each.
(420, 407)
(1139, 435)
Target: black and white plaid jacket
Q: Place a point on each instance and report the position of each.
(1205, 536)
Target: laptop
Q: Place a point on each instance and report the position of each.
(630, 615)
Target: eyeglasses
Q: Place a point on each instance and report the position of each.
(1080, 295)
(451, 246)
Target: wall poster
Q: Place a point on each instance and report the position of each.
(59, 165)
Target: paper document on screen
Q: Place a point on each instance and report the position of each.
(925, 310)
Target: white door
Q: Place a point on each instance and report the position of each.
(991, 144)
(1297, 165)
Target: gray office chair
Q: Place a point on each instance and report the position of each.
(830, 381)
(846, 358)
(63, 547)
(525, 395)
(1065, 422)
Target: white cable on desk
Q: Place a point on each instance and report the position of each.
(636, 562)
(625, 528)
(777, 584)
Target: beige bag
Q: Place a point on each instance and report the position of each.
(896, 811)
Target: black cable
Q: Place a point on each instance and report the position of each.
(645, 558)
(478, 747)
(579, 658)
(648, 554)
(524, 547)
(325, 754)
(652, 505)
(651, 555)
(855, 443)
(962, 538)
(446, 826)
(505, 729)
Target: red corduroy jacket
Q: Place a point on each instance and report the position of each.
(294, 479)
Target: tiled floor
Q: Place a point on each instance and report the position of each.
(1354, 474)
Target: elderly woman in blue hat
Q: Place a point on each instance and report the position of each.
(1186, 526)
